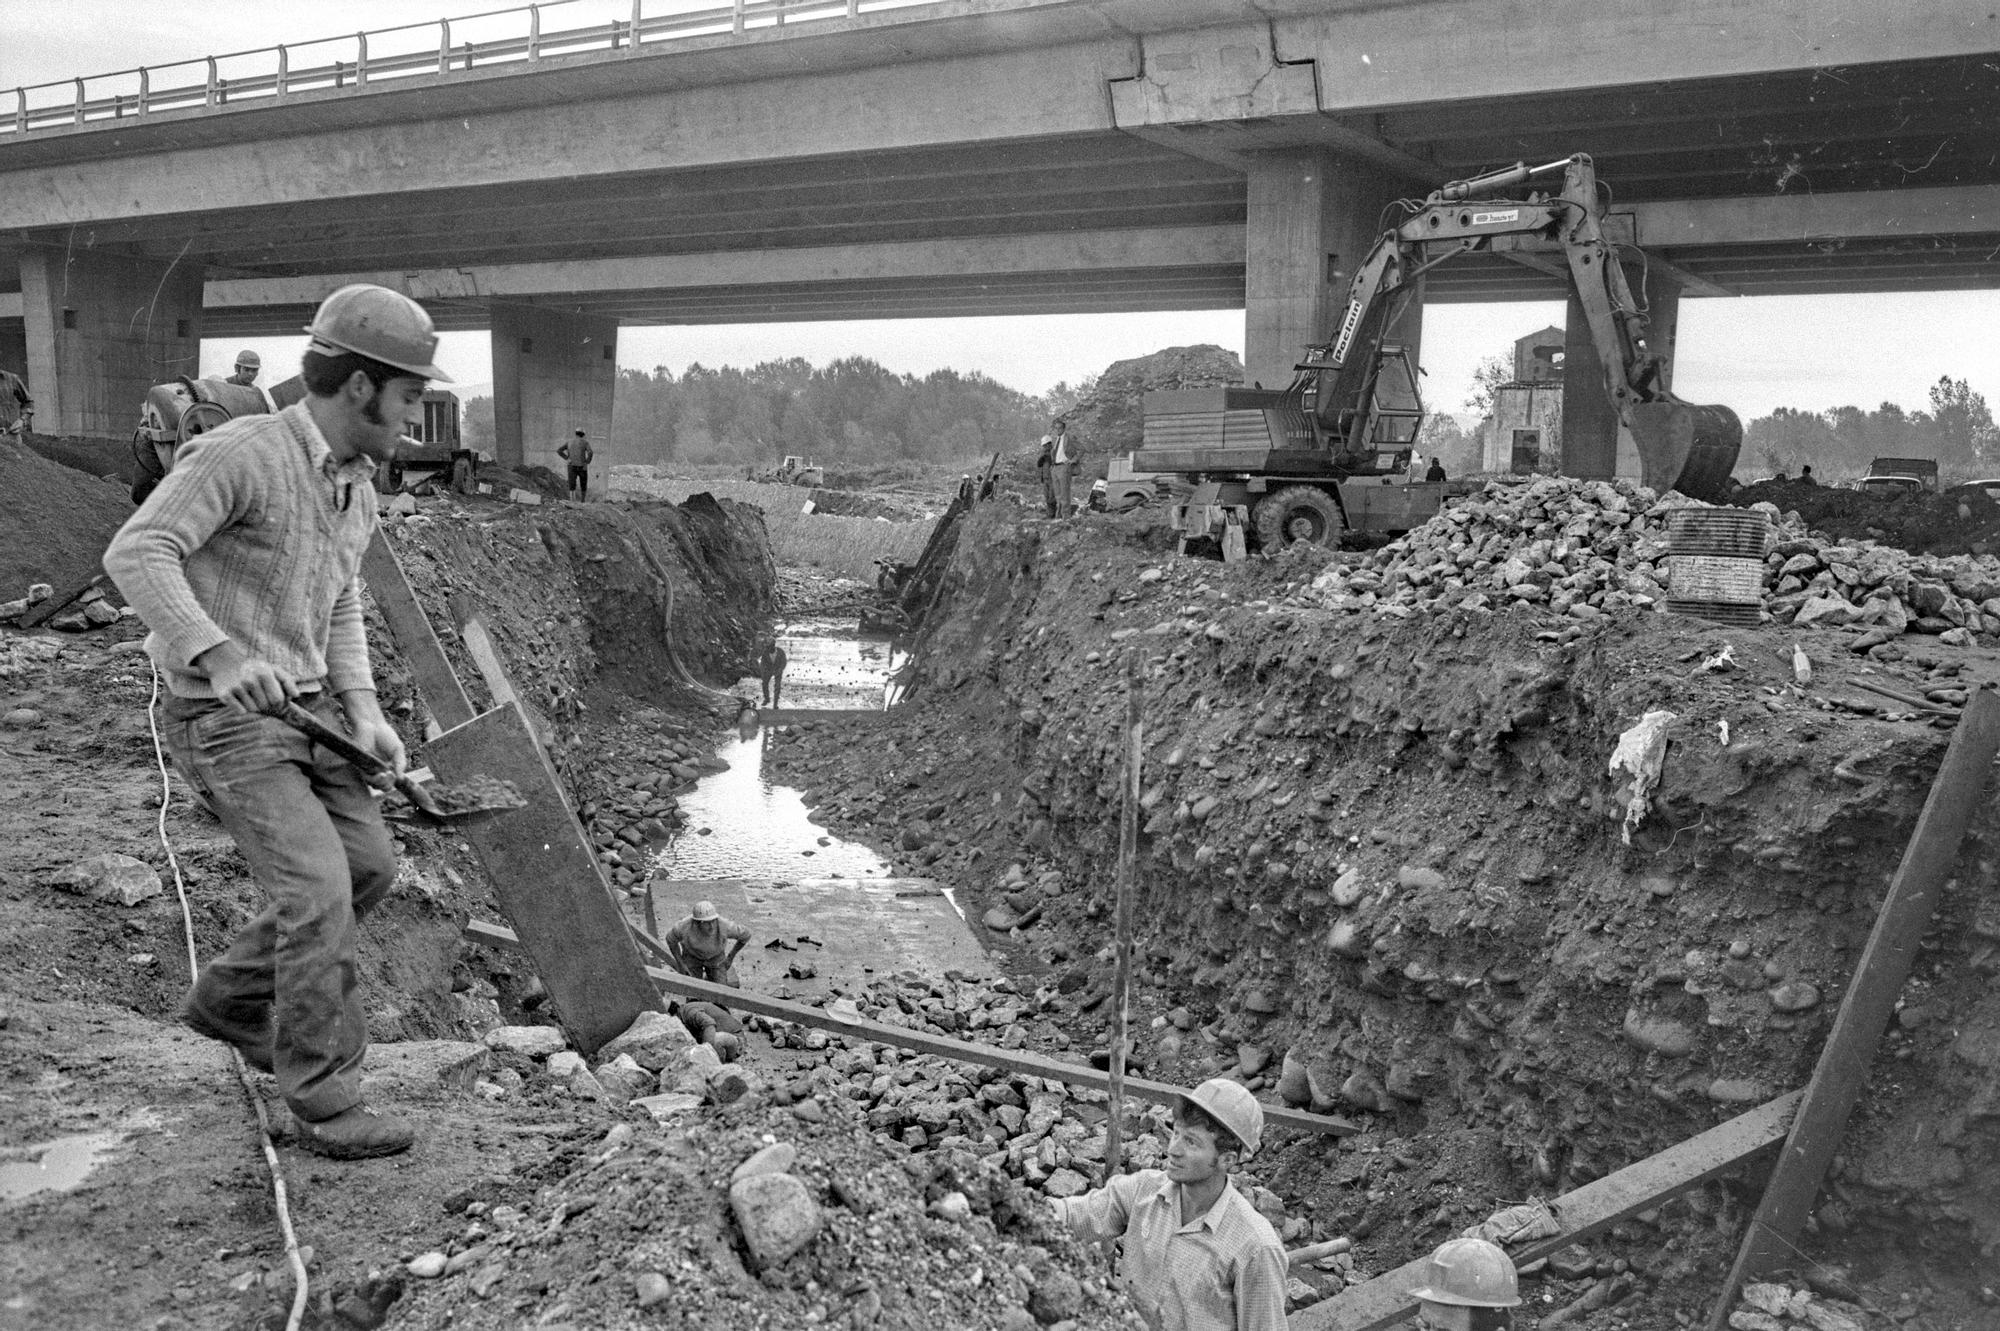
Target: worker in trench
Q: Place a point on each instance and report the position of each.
(1198, 1256)
(245, 565)
(705, 945)
(1467, 1285)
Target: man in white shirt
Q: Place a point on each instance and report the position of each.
(1062, 462)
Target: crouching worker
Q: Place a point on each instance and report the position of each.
(1198, 1257)
(715, 1026)
(1468, 1285)
(244, 563)
(705, 945)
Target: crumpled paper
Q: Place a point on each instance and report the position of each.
(1641, 752)
(1524, 1223)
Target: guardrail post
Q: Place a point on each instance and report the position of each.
(360, 59)
(145, 88)
(534, 32)
(737, 5)
(444, 46)
(211, 81)
(637, 6)
(284, 72)
(853, 8)
(79, 100)
(20, 110)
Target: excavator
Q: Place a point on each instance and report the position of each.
(1321, 457)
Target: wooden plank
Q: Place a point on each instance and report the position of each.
(1842, 1071)
(437, 682)
(1013, 1060)
(1594, 1207)
(550, 885)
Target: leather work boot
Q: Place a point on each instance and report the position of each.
(356, 1134)
(252, 1039)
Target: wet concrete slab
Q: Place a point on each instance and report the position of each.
(848, 931)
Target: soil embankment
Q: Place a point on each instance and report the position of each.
(1383, 870)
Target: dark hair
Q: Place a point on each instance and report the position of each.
(325, 374)
(1491, 1319)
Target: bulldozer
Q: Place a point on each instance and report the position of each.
(1321, 459)
(792, 471)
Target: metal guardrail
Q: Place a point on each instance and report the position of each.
(276, 75)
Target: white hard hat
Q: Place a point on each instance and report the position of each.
(1470, 1273)
(380, 324)
(1231, 1104)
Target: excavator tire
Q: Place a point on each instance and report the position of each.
(1297, 513)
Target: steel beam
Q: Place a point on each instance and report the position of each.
(965, 1051)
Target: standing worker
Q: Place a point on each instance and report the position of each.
(1062, 463)
(1198, 1257)
(579, 465)
(248, 365)
(1468, 1285)
(244, 563)
(697, 945)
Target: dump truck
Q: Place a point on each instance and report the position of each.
(1322, 458)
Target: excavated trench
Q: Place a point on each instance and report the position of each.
(1382, 867)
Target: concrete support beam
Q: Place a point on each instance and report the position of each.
(100, 329)
(554, 373)
(1312, 218)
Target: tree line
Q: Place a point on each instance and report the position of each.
(851, 412)
(1957, 430)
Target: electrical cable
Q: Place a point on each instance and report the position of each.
(278, 1191)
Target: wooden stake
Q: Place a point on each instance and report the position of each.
(1128, 852)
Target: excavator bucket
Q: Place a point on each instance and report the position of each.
(1686, 447)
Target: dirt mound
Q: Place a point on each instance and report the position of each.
(1110, 420)
(55, 522)
(1383, 862)
(1959, 522)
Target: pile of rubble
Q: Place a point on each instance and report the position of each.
(1588, 548)
(1772, 1307)
(632, 785)
(91, 610)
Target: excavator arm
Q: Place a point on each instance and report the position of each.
(1681, 446)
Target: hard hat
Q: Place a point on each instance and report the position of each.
(380, 324)
(1230, 1104)
(1470, 1273)
(705, 910)
(249, 358)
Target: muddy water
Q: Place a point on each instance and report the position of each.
(742, 826)
(63, 1164)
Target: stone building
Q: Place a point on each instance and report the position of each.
(1524, 432)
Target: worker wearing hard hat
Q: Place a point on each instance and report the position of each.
(245, 564)
(248, 366)
(1467, 1285)
(1198, 1256)
(701, 945)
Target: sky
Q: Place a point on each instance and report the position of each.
(1753, 353)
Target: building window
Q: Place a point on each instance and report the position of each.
(527, 346)
(1527, 450)
(69, 318)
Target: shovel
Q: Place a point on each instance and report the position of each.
(434, 804)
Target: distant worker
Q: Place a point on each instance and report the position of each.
(1198, 1256)
(1468, 1285)
(1045, 464)
(578, 452)
(248, 365)
(715, 1026)
(17, 409)
(986, 484)
(1806, 476)
(1062, 464)
(700, 945)
(965, 490)
(771, 663)
(1781, 475)
(1436, 472)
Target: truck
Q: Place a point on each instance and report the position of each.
(1325, 457)
(793, 470)
(1900, 476)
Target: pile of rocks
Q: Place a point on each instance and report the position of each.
(634, 779)
(1885, 590)
(91, 610)
(1773, 1307)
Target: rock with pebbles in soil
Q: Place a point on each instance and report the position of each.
(777, 1215)
(1066, 1183)
(1658, 1035)
(118, 878)
(1795, 996)
(654, 1040)
(732, 1083)
(623, 1079)
(1057, 1297)
(777, 1158)
(1294, 1087)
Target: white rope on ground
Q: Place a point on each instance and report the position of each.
(278, 1194)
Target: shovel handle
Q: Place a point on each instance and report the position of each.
(299, 719)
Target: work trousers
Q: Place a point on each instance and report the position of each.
(579, 482)
(1059, 475)
(713, 969)
(313, 836)
(1049, 488)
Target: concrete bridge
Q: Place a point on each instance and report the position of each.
(792, 160)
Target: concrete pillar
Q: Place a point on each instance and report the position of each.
(102, 328)
(1589, 422)
(553, 374)
(1312, 218)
